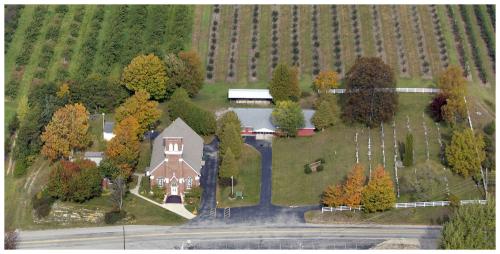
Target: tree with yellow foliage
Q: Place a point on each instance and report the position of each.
(333, 196)
(325, 81)
(353, 186)
(139, 106)
(453, 87)
(146, 72)
(123, 149)
(379, 195)
(67, 131)
(63, 90)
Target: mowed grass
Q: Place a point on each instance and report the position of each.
(337, 146)
(389, 38)
(141, 212)
(366, 24)
(414, 216)
(448, 35)
(325, 37)
(248, 181)
(244, 43)
(427, 26)
(305, 42)
(201, 30)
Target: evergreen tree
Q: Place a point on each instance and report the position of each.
(408, 154)
(231, 140)
(228, 167)
(228, 118)
(284, 84)
(379, 195)
(324, 116)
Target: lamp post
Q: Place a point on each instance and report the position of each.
(103, 124)
(232, 187)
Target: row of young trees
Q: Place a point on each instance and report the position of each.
(230, 147)
(377, 195)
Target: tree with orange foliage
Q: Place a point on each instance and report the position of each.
(353, 186)
(454, 88)
(379, 194)
(145, 111)
(67, 131)
(123, 149)
(325, 81)
(333, 196)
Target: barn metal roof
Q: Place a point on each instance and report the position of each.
(261, 118)
(262, 94)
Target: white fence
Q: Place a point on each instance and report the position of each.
(398, 89)
(405, 205)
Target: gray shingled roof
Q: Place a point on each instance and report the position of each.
(108, 127)
(258, 118)
(93, 154)
(193, 145)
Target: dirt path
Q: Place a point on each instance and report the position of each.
(10, 165)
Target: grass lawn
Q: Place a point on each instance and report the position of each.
(390, 42)
(140, 211)
(410, 40)
(336, 145)
(248, 181)
(305, 42)
(412, 216)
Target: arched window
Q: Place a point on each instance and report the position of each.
(189, 183)
(170, 147)
(176, 148)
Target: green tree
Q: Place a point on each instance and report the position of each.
(98, 93)
(146, 72)
(227, 118)
(284, 83)
(229, 166)
(471, 227)
(145, 111)
(466, 152)
(366, 99)
(288, 116)
(379, 195)
(408, 154)
(230, 139)
(324, 116)
(186, 71)
(201, 121)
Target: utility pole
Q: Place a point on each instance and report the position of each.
(123, 228)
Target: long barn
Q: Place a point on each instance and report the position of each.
(258, 122)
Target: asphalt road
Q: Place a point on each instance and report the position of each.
(228, 237)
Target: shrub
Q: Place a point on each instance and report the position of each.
(226, 181)
(307, 169)
(114, 216)
(319, 168)
(11, 88)
(489, 128)
(42, 203)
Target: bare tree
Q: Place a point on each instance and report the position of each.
(10, 240)
(118, 190)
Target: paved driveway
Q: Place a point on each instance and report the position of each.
(264, 212)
